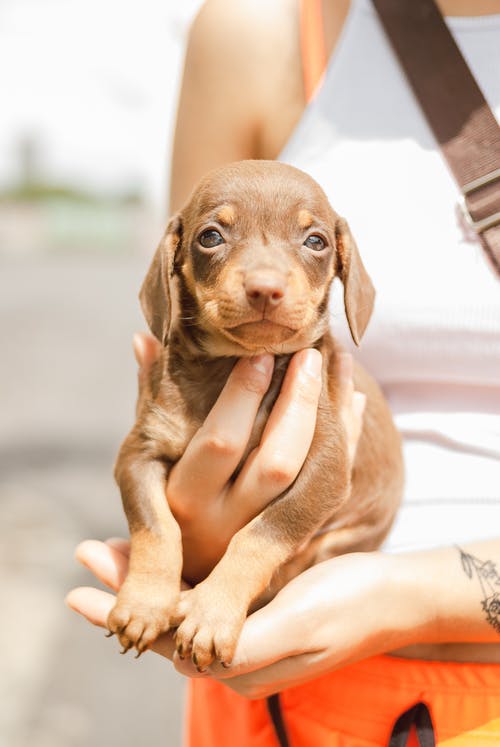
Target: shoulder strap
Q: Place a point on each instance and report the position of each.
(312, 45)
(455, 108)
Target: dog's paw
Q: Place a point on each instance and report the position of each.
(210, 627)
(142, 612)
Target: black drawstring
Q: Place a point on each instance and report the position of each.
(419, 717)
(274, 708)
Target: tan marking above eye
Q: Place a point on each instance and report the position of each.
(305, 219)
(226, 216)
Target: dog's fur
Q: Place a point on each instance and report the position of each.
(265, 288)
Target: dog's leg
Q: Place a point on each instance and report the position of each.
(212, 614)
(150, 593)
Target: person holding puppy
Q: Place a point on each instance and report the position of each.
(362, 646)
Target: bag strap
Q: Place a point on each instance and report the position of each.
(455, 108)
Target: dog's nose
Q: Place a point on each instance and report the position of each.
(262, 289)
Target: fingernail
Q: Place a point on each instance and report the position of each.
(262, 363)
(312, 363)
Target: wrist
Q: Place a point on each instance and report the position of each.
(413, 611)
(437, 601)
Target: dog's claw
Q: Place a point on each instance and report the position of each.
(126, 648)
(109, 634)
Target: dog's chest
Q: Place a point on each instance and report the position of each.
(187, 396)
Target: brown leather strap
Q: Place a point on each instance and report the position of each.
(454, 106)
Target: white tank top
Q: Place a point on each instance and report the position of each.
(434, 339)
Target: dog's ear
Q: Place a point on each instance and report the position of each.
(359, 293)
(158, 295)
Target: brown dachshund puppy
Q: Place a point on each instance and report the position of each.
(246, 268)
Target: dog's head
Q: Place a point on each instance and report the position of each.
(246, 265)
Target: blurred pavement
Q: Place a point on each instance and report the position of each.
(89, 92)
(67, 390)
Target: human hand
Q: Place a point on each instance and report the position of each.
(208, 507)
(333, 614)
(337, 612)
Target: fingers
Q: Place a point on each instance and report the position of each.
(345, 382)
(110, 566)
(283, 642)
(93, 604)
(270, 637)
(107, 562)
(265, 638)
(120, 544)
(352, 403)
(285, 673)
(215, 451)
(272, 467)
(147, 350)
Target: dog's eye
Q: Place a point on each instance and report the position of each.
(315, 242)
(209, 239)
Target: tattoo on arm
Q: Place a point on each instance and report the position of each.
(485, 571)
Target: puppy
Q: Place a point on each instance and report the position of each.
(246, 268)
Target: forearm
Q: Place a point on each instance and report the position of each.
(360, 605)
(448, 595)
(343, 610)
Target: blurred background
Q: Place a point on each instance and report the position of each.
(89, 92)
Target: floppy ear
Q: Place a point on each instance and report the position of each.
(359, 293)
(158, 292)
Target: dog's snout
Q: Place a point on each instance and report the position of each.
(264, 289)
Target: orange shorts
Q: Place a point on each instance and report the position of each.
(357, 706)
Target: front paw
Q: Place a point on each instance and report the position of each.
(142, 612)
(211, 625)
